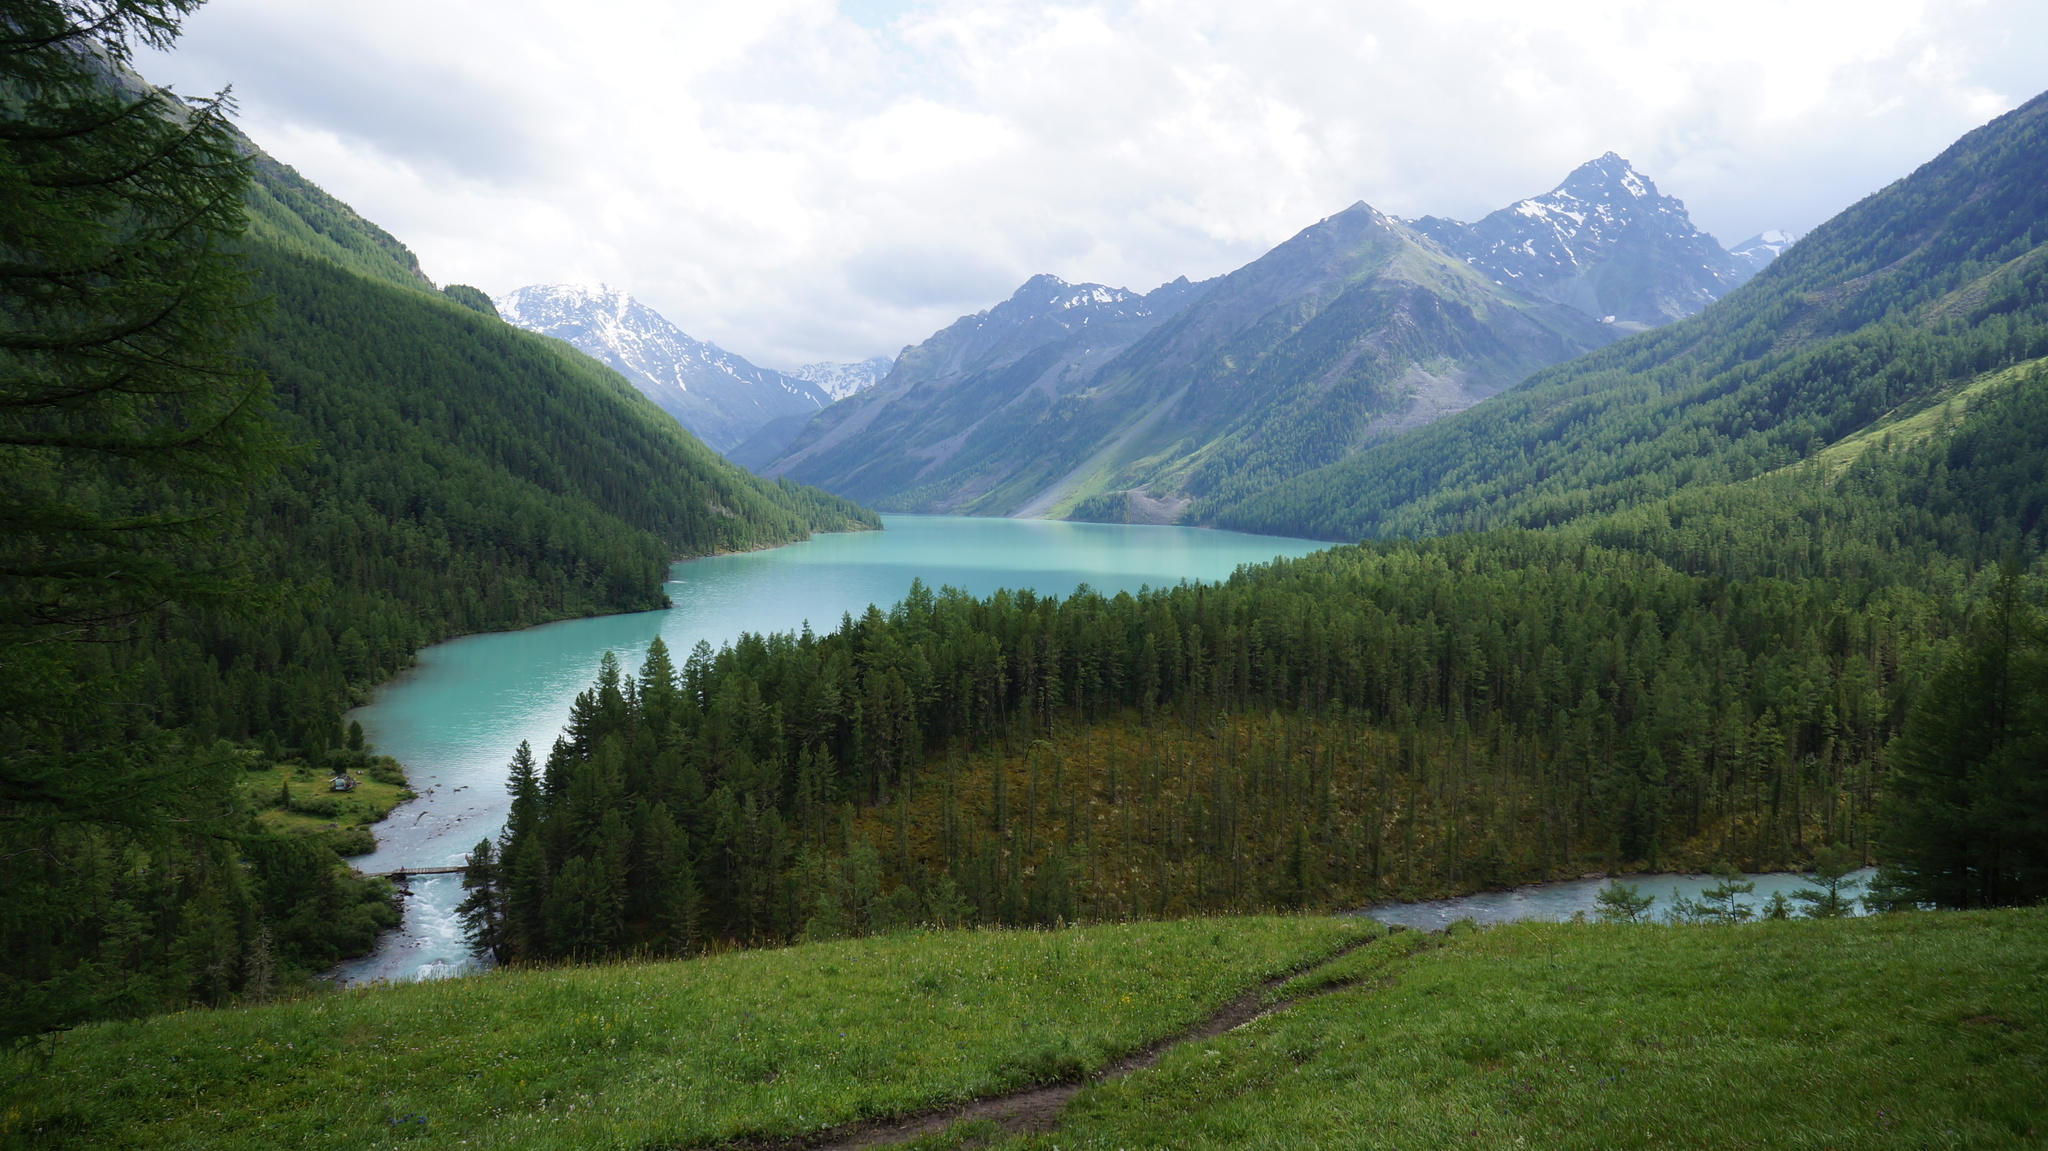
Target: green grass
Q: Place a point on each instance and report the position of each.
(1925, 1030)
(746, 1044)
(1939, 413)
(343, 818)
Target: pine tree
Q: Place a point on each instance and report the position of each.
(1966, 822)
(1829, 897)
(482, 909)
(1620, 902)
(129, 434)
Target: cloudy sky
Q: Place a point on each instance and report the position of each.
(800, 180)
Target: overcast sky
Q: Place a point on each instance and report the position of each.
(800, 180)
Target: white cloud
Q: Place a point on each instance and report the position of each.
(798, 181)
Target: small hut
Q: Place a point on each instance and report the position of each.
(342, 782)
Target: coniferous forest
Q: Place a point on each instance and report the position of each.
(1758, 584)
(250, 462)
(1397, 719)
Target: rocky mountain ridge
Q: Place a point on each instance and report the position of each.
(842, 380)
(1095, 402)
(1604, 241)
(1888, 311)
(983, 371)
(718, 395)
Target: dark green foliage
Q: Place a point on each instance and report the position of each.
(1832, 895)
(128, 428)
(174, 609)
(1935, 279)
(593, 863)
(1622, 903)
(483, 907)
(1967, 816)
(462, 476)
(1564, 671)
(1107, 508)
(471, 298)
(129, 433)
(288, 211)
(1724, 670)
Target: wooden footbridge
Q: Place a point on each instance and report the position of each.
(405, 873)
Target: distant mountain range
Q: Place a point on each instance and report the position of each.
(718, 395)
(1878, 314)
(1086, 401)
(944, 408)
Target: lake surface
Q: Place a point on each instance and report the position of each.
(1558, 901)
(455, 718)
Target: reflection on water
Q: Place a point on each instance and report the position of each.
(1560, 900)
(455, 718)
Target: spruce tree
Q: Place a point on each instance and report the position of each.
(482, 909)
(1966, 822)
(129, 433)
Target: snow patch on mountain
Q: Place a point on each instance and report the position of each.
(839, 381)
(714, 393)
(1763, 247)
(1604, 241)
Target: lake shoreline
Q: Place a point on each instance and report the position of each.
(454, 717)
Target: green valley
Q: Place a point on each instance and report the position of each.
(1086, 852)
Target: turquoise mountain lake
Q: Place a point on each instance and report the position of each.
(455, 718)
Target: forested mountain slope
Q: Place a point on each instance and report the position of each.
(458, 474)
(1924, 284)
(463, 475)
(375, 466)
(292, 213)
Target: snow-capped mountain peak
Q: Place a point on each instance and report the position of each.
(842, 380)
(714, 393)
(1604, 241)
(1763, 247)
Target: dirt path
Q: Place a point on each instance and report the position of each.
(1038, 1107)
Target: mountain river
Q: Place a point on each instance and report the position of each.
(456, 716)
(1560, 900)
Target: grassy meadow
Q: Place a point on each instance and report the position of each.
(343, 818)
(762, 1044)
(1921, 1030)
(1904, 1031)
